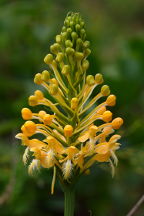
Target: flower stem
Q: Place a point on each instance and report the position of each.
(69, 203)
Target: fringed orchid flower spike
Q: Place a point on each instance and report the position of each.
(71, 139)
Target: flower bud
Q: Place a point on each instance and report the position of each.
(68, 130)
(85, 64)
(105, 90)
(29, 128)
(69, 51)
(39, 95)
(69, 30)
(117, 122)
(38, 79)
(92, 130)
(90, 80)
(64, 35)
(54, 81)
(111, 100)
(32, 100)
(58, 38)
(87, 52)
(74, 103)
(86, 44)
(53, 89)
(79, 56)
(74, 35)
(48, 59)
(101, 110)
(48, 119)
(60, 57)
(99, 78)
(41, 114)
(68, 43)
(66, 69)
(26, 113)
(77, 27)
(107, 116)
(45, 76)
(55, 48)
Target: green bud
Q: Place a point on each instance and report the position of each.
(99, 78)
(90, 80)
(45, 76)
(86, 44)
(66, 69)
(69, 30)
(85, 64)
(48, 59)
(58, 38)
(55, 48)
(79, 42)
(60, 57)
(38, 79)
(63, 29)
(79, 55)
(69, 51)
(87, 52)
(68, 43)
(82, 24)
(71, 23)
(105, 90)
(64, 35)
(77, 27)
(74, 35)
(66, 22)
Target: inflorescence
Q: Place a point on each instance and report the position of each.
(77, 132)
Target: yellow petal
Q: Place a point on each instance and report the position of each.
(84, 137)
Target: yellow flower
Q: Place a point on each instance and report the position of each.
(75, 132)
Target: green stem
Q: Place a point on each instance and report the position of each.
(69, 203)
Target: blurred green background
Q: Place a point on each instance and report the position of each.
(116, 31)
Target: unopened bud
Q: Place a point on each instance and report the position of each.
(90, 80)
(38, 79)
(69, 30)
(32, 100)
(26, 113)
(107, 116)
(41, 114)
(68, 43)
(39, 95)
(105, 90)
(60, 57)
(77, 27)
(69, 51)
(64, 35)
(111, 100)
(87, 52)
(74, 35)
(99, 78)
(55, 48)
(66, 69)
(53, 89)
(58, 38)
(79, 56)
(45, 76)
(85, 64)
(74, 103)
(86, 44)
(48, 119)
(48, 59)
(68, 130)
(93, 130)
(117, 123)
